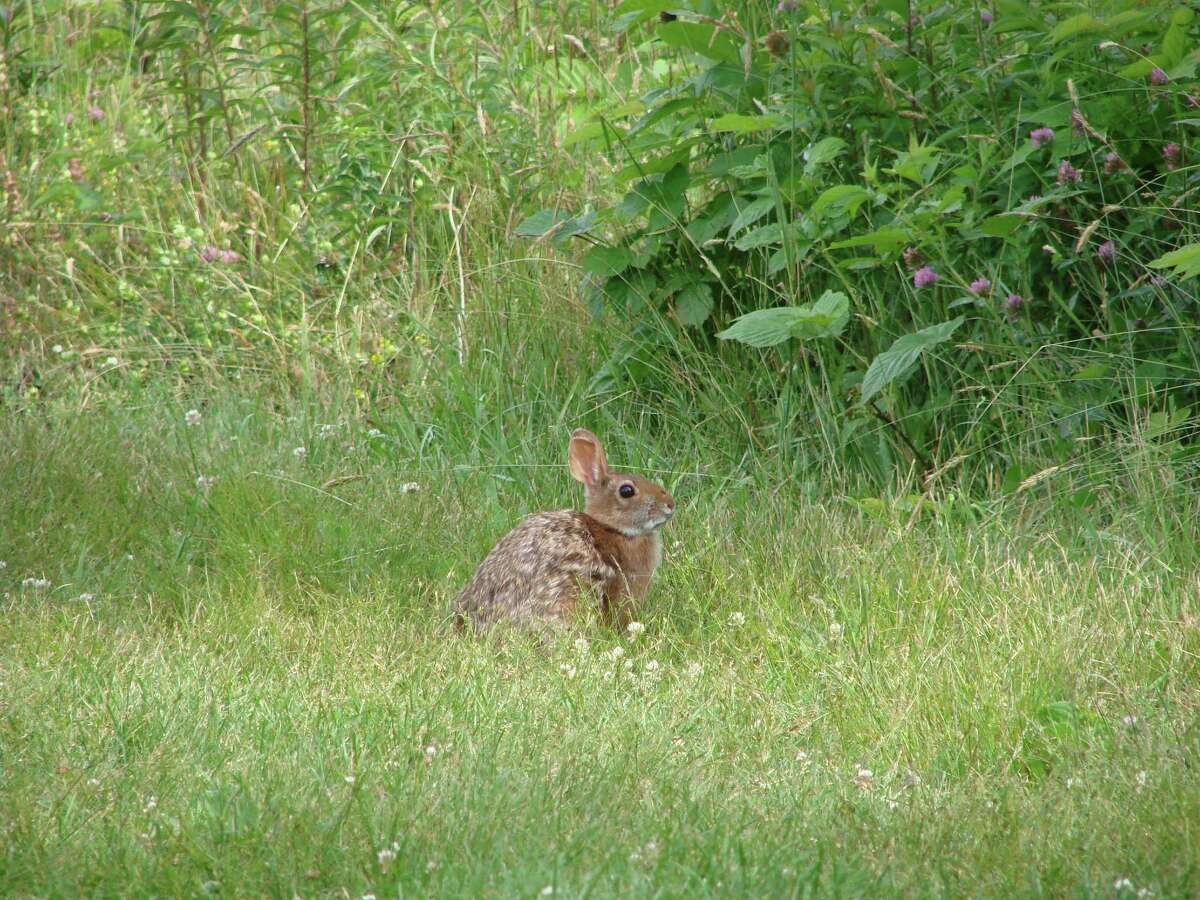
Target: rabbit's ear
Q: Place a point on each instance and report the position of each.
(586, 457)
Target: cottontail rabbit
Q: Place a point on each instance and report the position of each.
(539, 570)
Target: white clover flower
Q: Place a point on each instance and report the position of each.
(386, 856)
(608, 674)
(652, 665)
(112, 362)
(192, 417)
(350, 779)
(864, 778)
(374, 433)
(86, 597)
(368, 897)
(38, 584)
(835, 631)
(568, 670)
(582, 645)
(326, 430)
(1122, 884)
(737, 619)
(300, 453)
(204, 483)
(3, 564)
(617, 652)
(409, 487)
(627, 665)
(1129, 721)
(695, 669)
(93, 782)
(57, 348)
(151, 804)
(634, 629)
(431, 752)
(547, 891)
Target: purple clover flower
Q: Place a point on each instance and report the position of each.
(912, 256)
(1158, 76)
(1171, 155)
(1113, 163)
(980, 287)
(787, 6)
(210, 254)
(1068, 173)
(1107, 251)
(69, 119)
(95, 113)
(229, 256)
(924, 277)
(1013, 303)
(985, 17)
(1041, 136)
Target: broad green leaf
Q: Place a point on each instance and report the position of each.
(1068, 28)
(739, 124)
(822, 151)
(827, 317)
(884, 240)
(751, 213)
(1185, 261)
(540, 222)
(707, 41)
(1000, 226)
(633, 11)
(694, 304)
(841, 198)
(588, 132)
(760, 237)
(899, 360)
(604, 262)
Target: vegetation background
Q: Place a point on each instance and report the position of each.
(298, 302)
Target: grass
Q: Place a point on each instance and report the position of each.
(262, 696)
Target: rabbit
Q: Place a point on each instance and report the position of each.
(539, 571)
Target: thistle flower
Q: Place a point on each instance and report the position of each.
(924, 276)
(1040, 136)
(980, 287)
(1107, 251)
(1068, 173)
(1158, 76)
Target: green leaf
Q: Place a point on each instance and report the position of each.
(1000, 226)
(842, 198)
(540, 222)
(884, 240)
(694, 304)
(604, 262)
(901, 358)
(1068, 28)
(1185, 261)
(760, 237)
(751, 213)
(707, 41)
(821, 152)
(827, 317)
(739, 124)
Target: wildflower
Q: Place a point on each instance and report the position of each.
(374, 433)
(1013, 303)
(1067, 172)
(1171, 155)
(695, 670)
(1122, 884)
(38, 584)
(409, 487)
(192, 417)
(229, 256)
(985, 17)
(93, 782)
(350, 779)
(786, 6)
(69, 119)
(112, 362)
(835, 631)
(652, 665)
(1141, 779)
(568, 670)
(737, 619)
(1107, 250)
(150, 805)
(386, 856)
(1158, 76)
(925, 276)
(912, 257)
(1040, 136)
(300, 453)
(634, 629)
(368, 897)
(547, 891)
(777, 43)
(616, 652)
(431, 752)
(864, 779)
(980, 287)
(3, 564)
(205, 482)
(1113, 163)
(1129, 721)
(582, 645)
(209, 253)
(86, 597)
(95, 113)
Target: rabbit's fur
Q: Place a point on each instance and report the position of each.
(540, 570)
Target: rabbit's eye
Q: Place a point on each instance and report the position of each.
(626, 491)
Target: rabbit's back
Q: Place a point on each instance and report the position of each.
(536, 571)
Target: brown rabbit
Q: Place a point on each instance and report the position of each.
(539, 570)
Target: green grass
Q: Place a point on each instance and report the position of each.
(193, 726)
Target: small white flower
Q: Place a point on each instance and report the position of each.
(3, 564)
(1122, 884)
(547, 891)
(1142, 778)
(368, 897)
(835, 631)
(192, 417)
(409, 487)
(627, 665)
(349, 779)
(864, 778)
(386, 856)
(582, 645)
(568, 670)
(737, 619)
(300, 453)
(433, 865)
(93, 782)
(695, 669)
(634, 629)
(326, 430)
(1129, 721)
(374, 433)
(1072, 782)
(38, 584)
(652, 665)
(608, 674)
(893, 805)
(1145, 892)
(204, 483)
(617, 652)
(431, 752)
(151, 805)
(112, 362)
(57, 348)
(86, 597)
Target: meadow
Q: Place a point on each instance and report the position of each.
(299, 304)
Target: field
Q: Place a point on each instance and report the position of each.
(280, 366)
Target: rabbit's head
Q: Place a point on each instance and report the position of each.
(627, 503)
